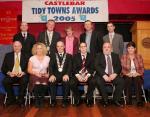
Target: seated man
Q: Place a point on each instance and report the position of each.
(14, 67)
(60, 70)
(108, 68)
(83, 69)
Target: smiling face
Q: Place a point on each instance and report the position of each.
(39, 50)
(17, 46)
(50, 25)
(107, 48)
(83, 48)
(131, 50)
(88, 25)
(24, 27)
(69, 32)
(60, 47)
(110, 27)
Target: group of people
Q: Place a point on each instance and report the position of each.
(53, 60)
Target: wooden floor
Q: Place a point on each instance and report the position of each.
(71, 111)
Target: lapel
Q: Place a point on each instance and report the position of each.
(21, 58)
(53, 38)
(12, 60)
(46, 37)
(103, 60)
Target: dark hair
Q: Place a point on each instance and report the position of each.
(131, 44)
(88, 21)
(83, 42)
(111, 23)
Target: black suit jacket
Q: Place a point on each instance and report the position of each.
(27, 44)
(100, 64)
(77, 63)
(55, 38)
(95, 44)
(8, 63)
(67, 68)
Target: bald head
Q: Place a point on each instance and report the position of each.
(17, 46)
(60, 47)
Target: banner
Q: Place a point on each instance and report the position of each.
(38, 11)
(8, 25)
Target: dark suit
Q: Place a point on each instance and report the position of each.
(100, 65)
(95, 44)
(53, 70)
(117, 43)
(75, 44)
(27, 43)
(77, 66)
(7, 66)
(43, 38)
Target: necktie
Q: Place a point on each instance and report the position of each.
(109, 65)
(24, 36)
(83, 63)
(50, 37)
(17, 64)
(61, 57)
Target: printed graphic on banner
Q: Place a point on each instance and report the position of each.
(8, 25)
(35, 11)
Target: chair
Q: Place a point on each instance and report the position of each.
(26, 94)
(98, 96)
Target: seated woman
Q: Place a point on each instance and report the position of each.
(70, 41)
(132, 70)
(38, 70)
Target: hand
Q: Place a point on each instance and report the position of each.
(135, 74)
(79, 77)
(113, 76)
(85, 78)
(65, 78)
(52, 78)
(106, 78)
(11, 74)
(129, 75)
(20, 74)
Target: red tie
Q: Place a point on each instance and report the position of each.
(83, 63)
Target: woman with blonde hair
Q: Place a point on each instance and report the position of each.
(38, 70)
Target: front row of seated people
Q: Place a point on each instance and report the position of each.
(46, 72)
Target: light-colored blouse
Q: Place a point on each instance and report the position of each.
(40, 66)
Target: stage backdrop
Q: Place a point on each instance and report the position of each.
(37, 11)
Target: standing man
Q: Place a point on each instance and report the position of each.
(60, 70)
(14, 67)
(92, 39)
(49, 37)
(115, 39)
(83, 69)
(108, 69)
(27, 40)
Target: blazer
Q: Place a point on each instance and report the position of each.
(27, 44)
(55, 38)
(77, 63)
(8, 62)
(95, 44)
(100, 64)
(75, 44)
(67, 68)
(117, 43)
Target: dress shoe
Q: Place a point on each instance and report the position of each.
(53, 104)
(105, 104)
(64, 104)
(89, 103)
(140, 104)
(77, 102)
(116, 103)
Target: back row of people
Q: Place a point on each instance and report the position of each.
(50, 37)
(61, 67)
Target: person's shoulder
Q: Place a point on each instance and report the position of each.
(100, 54)
(47, 57)
(9, 54)
(118, 34)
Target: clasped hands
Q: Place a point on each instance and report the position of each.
(110, 77)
